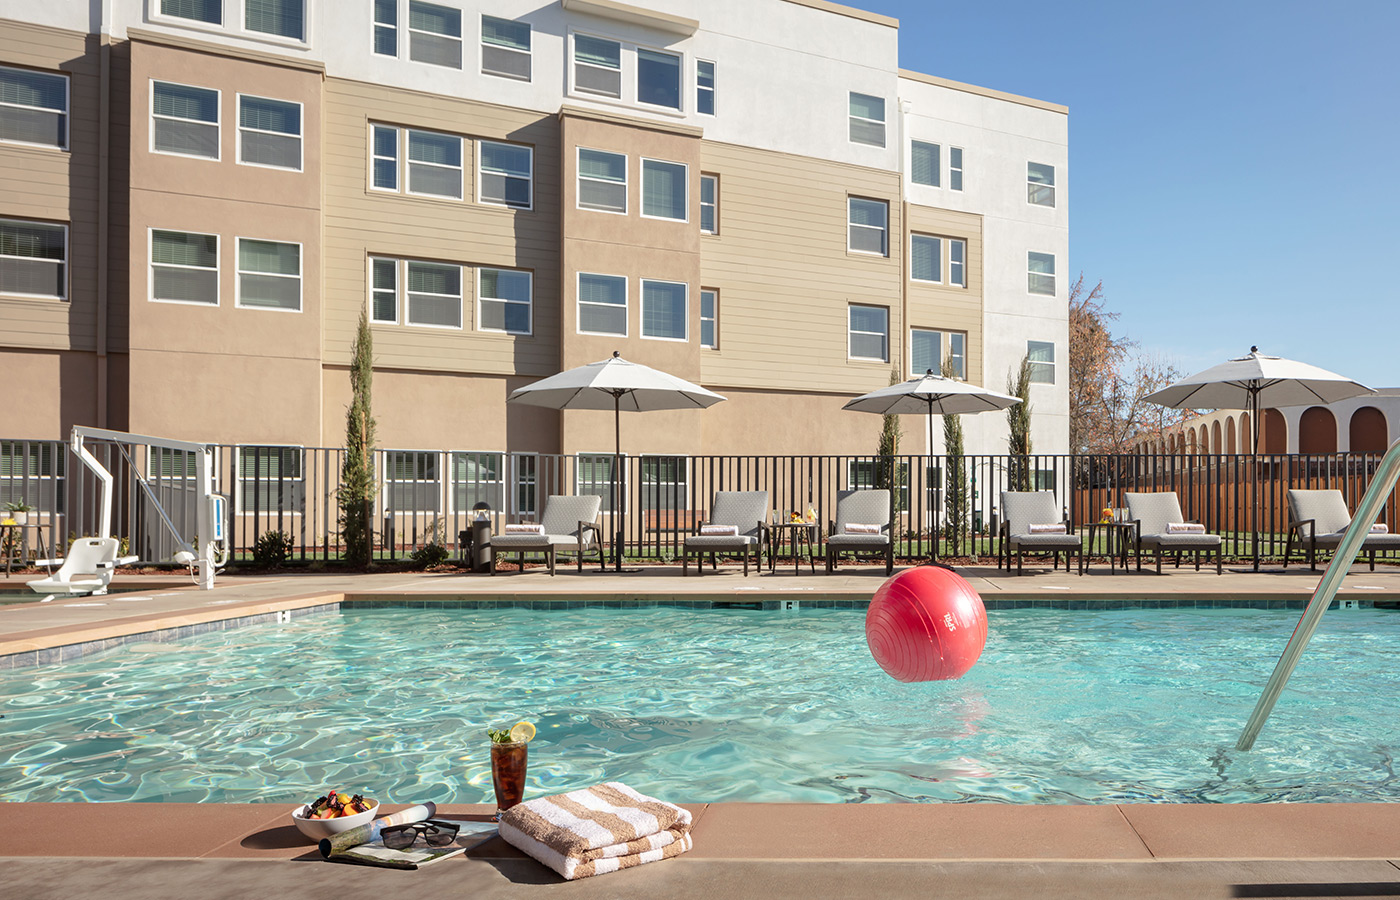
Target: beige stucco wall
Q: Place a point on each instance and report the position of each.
(46, 392)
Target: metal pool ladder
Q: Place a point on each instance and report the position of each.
(1366, 514)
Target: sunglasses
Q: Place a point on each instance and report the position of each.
(434, 834)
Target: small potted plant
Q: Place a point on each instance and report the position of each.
(18, 511)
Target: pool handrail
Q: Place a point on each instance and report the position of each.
(1367, 511)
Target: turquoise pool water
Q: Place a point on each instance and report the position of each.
(719, 705)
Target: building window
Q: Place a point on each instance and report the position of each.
(926, 259)
(597, 66)
(1040, 184)
(525, 474)
(955, 168)
(925, 352)
(505, 48)
(33, 259)
(209, 12)
(269, 133)
(505, 300)
(957, 262)
(33, 108)
(33, 472)
(269, 275)
(602, 181)
(867, 225)
(430, 294)
(867, 120)
(185, 120)
(709, 204)
(1041, 278)
(594, 474)
(434, 162)
(169, 464)
(434, 34)
(957, 353)
(386, 27)
(864, 475)
(411, 481)
(664, 482)
(709, 318)
(478, 478)
(1042, 357)
(658, 78)
(184, 267)
(869, 333)
(602, 304)
(284, 18)
(506, 175)
(664, 310)
(270, 480)
(704, 87)
(663, 190)
(925, 163)
(384, 291)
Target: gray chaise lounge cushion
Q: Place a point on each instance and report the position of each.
(1154, 512)
(562, 515)
(1022, 509)
(1328, 510)
(745, 510)
(864, 507)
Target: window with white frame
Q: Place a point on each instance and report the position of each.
(32, 472)
(664, 482)
(184, 120)
(33, 259)
(925, 352)
(507, 174)
(658, 78)
(525, 475)
(597, 66)
(925, 163)
(709, 204)
(283, 18)
(664, 310)
(1041, 273)
(434, 34)
(170, 464)
(957, 262)
(504, 296)
(926, 258)
(1042, 357)
(210, 12)
(864, 475)
(955, 168)
(1040, 184)
(269, 132)
(663, 190)
(412, 481)
(867, 120)
(270, 480)
(384, 290)
(957, 353)
(184, 267)
(602, 180)
(415, 292)
(705, 87)
(709, 318)
(433, 162)
(478, 478)
(384, 157)
(594, 476)
(33, 108)
(269, 275)
(602, 304)
(505, 48)
(869, 333)
(868, 225)
(386, 27)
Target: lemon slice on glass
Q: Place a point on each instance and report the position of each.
(522, 732)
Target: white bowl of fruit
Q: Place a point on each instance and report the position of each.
(337, 811)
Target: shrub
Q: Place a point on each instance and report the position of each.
(429, 555)
(272, 549)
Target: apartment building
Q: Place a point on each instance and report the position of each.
(198, 199)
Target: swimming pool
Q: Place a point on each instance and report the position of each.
(714, 705)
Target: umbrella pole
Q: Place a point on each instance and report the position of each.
(618, 527)
(1258, 479)
(933, 544)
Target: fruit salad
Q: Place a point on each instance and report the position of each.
(336, 804)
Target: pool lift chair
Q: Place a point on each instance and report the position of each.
(86, 570)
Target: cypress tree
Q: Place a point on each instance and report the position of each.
(357, 473)
(1018, 384)
(955, 501)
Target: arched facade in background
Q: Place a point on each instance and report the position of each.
(1368, 430)
(1273, 433)
(1246, 433)
(1230, 443)
(1317, 431)
(1191, 441)
(1215, 444)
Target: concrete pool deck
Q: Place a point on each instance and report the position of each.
(741, 850)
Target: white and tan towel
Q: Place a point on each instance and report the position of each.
(861, 528)
(524, 528)
(731, 530)
(1058, 528)
(598, 829)
(1380, 528)
(1185, 528)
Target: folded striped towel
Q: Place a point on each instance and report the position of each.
(1380, 528)
(1185, 528)
(523, 528)
(598, 829)
(1058, 528)
(860, 528)
(720, 529)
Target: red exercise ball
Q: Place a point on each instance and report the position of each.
(926, 624)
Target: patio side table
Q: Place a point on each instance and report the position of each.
(1116, 538)
(799, 535)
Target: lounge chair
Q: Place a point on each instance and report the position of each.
(1150, 514)
(1318, 519)
(570, 525)
(1022, 509)
(87, 569)
(744, 511)
(860, 508)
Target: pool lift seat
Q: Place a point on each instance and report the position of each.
(86, 570)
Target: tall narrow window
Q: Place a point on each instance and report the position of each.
(658, 78)
(33, 108)
(208, 11)
(597, 66)
(709, 318)
(867, 120)
(269, 275)
(1040, 184)
(434, 34)
(411, 482)
(957, 353)
(663, 310)
(33, 259)
(663, 190)
(269, 133)
(868, 225)
(955, 168)
(505, 298)
(284, 18)
(434, 294)
(925, 163)
(869, 333)
(926, 259)
(185, 120)
(525, 473)
(602, 181)
(506, 174)
(505, 48)
(185, 267)
(709, 204)
(270, 480)
(386, 157)
(435, 164)
(925, 352)
(957, 263)
(386, 27)
(704, 87)
(602, 304)
(1042, 357)
(595, 476)
(1041, 278)
(478, 478)
(384, 291)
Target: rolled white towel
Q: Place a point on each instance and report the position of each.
(524, 528)
(859, 528)
(1185, 528)
(732, 530)
(1380, 528)
(1056, 528)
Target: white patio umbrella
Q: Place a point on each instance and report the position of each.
(1257, 382)
(621, 386)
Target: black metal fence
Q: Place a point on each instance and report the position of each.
(428, 496)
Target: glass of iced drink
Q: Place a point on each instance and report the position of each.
(508, 759)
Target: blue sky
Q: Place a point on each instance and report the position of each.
(1233, 165)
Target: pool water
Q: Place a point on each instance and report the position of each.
(714, 705)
